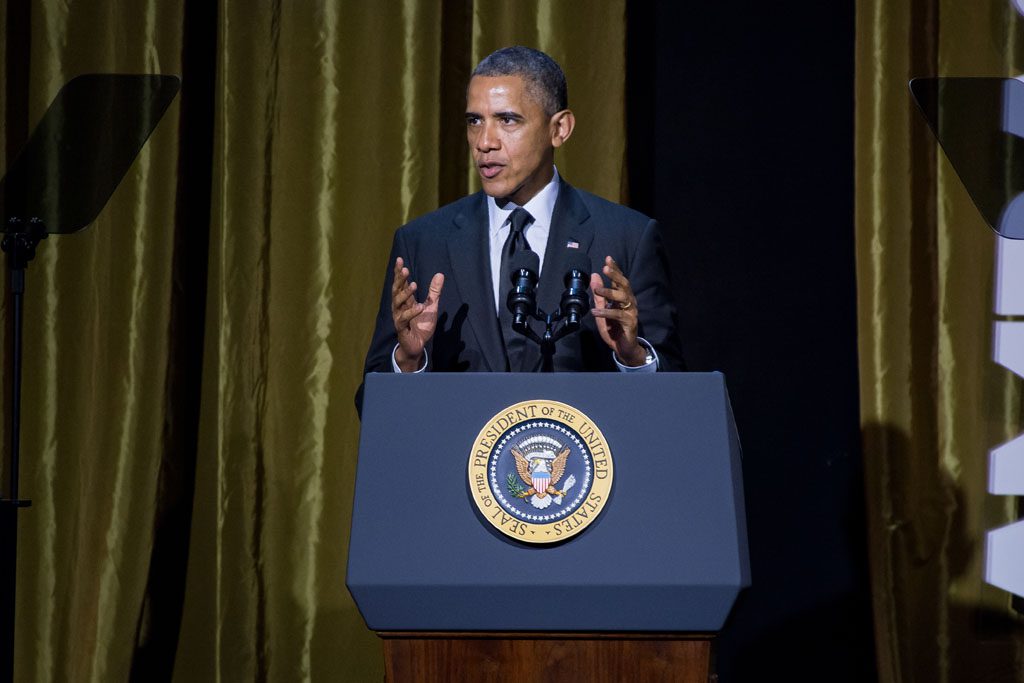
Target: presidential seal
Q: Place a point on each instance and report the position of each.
(540, 471)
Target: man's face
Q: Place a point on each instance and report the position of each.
(510, 136)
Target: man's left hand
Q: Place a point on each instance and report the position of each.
(616, 314)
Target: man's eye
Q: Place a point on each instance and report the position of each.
(472, 120)
(507, 120)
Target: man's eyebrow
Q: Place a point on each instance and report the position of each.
(508, 115)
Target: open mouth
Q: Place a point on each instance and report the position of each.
(490, 170)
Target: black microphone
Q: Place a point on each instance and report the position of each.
(522, 298)
(576, 299)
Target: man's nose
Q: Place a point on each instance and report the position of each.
(487, 140)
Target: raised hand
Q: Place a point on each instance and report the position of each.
(616, 314)
(414, 322)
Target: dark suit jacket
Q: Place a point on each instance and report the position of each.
(454, 240)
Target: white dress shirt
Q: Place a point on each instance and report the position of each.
(541, 207)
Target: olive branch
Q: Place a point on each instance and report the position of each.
(514, 487)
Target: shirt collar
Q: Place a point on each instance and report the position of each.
(541, 206)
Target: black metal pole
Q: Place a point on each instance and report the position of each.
(20, 244)
(9, 522)
(10, 506)
(17, 297)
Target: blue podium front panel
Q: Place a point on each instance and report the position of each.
(668, 552)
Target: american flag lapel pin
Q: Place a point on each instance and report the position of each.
(572, 244)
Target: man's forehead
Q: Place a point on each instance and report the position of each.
(504, 86)
(505, 91)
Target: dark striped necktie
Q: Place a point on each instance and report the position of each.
(515, 343)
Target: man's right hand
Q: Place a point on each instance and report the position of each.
(414, 322)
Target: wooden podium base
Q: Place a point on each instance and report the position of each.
(536, 657)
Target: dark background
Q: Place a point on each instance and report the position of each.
(741, 145)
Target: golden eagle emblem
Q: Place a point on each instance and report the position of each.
(541, 469)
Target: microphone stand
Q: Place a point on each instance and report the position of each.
(570, 319)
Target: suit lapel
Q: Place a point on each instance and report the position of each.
(570, 232)
(469, 252)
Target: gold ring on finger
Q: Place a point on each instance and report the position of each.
(626, 306)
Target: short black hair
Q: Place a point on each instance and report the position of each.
(544, 78)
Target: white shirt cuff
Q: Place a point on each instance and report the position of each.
(651, 366)
(394, 363)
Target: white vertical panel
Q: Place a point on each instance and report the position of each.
(1009, 346)
(1009, 276)
(1006, 469)
(1004, 557)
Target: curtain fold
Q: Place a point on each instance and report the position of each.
(932, 401)
(326, 137)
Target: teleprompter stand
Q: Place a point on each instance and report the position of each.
(637, 595)
(73, 162)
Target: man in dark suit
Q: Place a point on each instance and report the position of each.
(516, 116)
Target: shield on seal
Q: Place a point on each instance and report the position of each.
(540, 473)
(540, 482)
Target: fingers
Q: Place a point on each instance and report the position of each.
(400, 280)
(611, 269)
(403, 316)
(605, 306)
(401, 275)
(597, 286)
(626, 318)
(404, 307)
(617, 297)
(434, 291)
(403, 296)
(403, 300)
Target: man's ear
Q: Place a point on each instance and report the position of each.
(562, 125)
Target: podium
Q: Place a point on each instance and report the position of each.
(637, 594)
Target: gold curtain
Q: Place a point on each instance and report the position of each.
(333, 123)
(932, 400)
